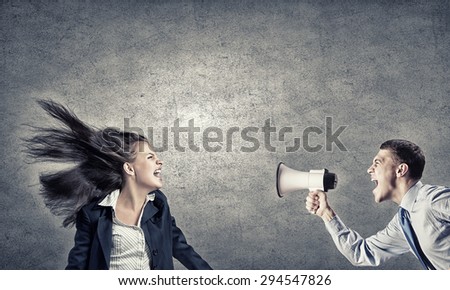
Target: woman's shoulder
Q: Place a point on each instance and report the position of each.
(92, 207)
(159, 194)
(160, 200)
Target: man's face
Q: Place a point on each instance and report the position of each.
(383, 174)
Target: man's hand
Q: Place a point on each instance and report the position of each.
(317, 203)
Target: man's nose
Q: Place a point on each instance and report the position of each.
(370, 169)
(160, 162)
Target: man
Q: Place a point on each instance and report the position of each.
(422, 224)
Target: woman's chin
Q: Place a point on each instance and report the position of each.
(154, 186)
(156, 182)
(159, 184)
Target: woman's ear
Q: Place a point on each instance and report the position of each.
(402, 169)
(128, 168)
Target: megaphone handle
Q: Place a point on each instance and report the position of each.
(314, 189)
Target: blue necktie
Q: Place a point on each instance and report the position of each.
(412, 238)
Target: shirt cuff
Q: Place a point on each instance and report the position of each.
(335, 225)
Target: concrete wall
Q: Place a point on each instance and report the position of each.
(381, 68)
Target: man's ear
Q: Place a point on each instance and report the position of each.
(402, 169)
(128, 168)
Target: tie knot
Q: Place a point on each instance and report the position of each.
(402, 212)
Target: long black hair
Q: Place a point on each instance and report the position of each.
(98, 155)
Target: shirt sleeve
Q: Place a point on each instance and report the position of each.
(372, 251)
(440, 205)
(437, 248)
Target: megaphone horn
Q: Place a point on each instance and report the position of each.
(289, 180)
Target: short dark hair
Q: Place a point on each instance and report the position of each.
(407, 152)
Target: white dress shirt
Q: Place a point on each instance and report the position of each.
(429, 209)
(129, 251)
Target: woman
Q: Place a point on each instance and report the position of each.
(112, 195)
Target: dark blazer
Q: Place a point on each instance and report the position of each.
(93, 238)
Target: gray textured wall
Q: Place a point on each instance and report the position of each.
(379, 67)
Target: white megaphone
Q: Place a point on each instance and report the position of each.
(289, 180)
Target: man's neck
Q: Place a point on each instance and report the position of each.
(401, 190)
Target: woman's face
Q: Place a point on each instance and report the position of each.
(147, 167)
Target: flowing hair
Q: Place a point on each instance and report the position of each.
(98, 155)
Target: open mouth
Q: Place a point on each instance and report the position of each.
(157, 173)
(375, 182)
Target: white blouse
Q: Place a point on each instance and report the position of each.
(129, 251)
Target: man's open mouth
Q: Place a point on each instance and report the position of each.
(157, 173)
(375, 182)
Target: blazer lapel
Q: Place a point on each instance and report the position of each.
(149, 214)
(149, 211)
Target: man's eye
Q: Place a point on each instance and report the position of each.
(150, 156)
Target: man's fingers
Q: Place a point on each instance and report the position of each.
(312, 206)
(312, 201)
(311, 210)
(313, 194)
